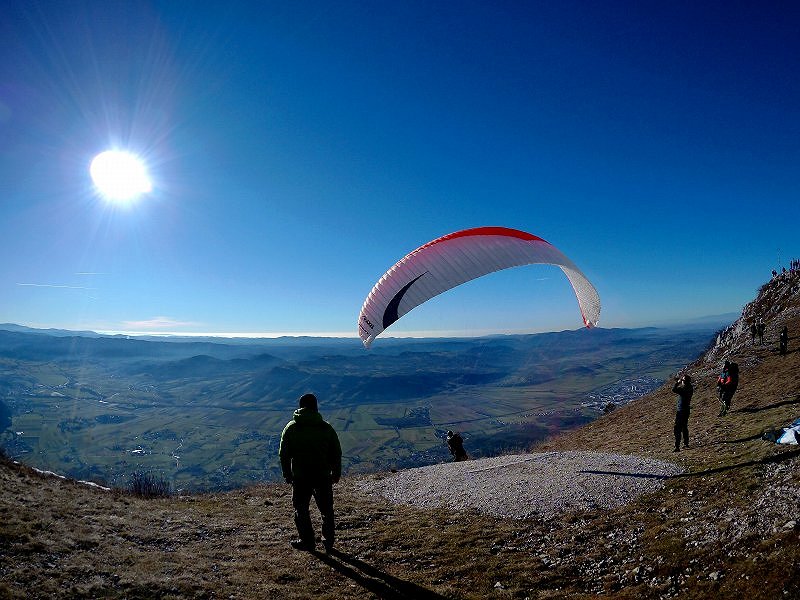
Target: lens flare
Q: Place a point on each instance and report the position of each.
(119, 175)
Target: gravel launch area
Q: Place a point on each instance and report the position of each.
(523, 486)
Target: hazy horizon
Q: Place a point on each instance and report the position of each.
(721, 319)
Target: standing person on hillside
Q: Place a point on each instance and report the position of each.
(311, 461)
(727, 383)
(455, 443)
(753, 332)
(720, 386)
(683, 387)
(784, 340)
(761, 327)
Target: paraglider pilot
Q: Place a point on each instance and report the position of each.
(311, 461)
(455, 443)
(727, 382)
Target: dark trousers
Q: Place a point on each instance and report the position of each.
(725, 398)
(681, 428)
(322, 491)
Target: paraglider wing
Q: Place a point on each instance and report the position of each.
(459, 257)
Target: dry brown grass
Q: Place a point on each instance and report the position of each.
(692, 539)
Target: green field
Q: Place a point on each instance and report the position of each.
(214, 423)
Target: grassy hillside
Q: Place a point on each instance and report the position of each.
(726, 527)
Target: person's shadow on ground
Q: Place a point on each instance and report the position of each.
(755, 409)
(376, 581)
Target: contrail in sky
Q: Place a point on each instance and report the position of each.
(52, 285)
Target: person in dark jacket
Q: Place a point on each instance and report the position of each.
(761, 328)
(311, 461)
(683, 387)
(784, 340)
(455, 443)
(727, 383)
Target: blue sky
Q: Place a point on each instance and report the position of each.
(299, 149)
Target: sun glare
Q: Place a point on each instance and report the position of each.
(119, 175)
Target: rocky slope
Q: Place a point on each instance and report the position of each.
(724, 525)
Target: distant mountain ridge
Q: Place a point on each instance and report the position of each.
(45, 331)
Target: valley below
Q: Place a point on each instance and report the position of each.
(207, 415)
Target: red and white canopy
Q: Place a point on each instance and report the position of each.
(459, 257)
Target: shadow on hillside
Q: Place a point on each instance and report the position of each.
(783, 456)
(640, 475)
(376, 581)
(776, 458)
(755, 409)
(757, 436)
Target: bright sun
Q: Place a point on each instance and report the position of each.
(119, 175)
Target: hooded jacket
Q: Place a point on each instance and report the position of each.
(310, 448)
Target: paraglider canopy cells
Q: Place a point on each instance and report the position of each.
(456, 258)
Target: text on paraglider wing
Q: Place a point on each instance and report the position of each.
(363, 330)
(368, 322)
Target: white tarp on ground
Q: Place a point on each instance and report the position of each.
(791, 434)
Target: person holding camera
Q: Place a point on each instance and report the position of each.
(683, 387)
